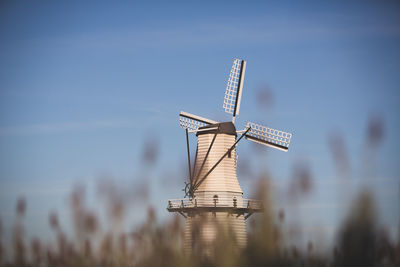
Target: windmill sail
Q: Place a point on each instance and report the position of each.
(233, 92)
(193, 122)
(268, 137)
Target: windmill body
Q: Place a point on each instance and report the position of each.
(218, 190)
(214, 199)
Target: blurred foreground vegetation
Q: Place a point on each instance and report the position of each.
(359, 242)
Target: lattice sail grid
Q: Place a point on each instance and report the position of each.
(268, 135)
(232, 87)
(190, 124)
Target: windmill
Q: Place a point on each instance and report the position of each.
(213, 193)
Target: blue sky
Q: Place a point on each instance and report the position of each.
(84, 85)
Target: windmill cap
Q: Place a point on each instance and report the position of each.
(223, 127)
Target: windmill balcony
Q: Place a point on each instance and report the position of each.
(233, 205)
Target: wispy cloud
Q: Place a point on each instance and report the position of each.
(48, 128)
(10, 188)
(229, 32)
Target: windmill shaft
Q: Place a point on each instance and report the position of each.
(188, 152)
(194, 165)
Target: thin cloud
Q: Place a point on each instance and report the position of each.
(50, 128)
(230, 32)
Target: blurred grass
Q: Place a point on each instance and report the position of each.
(360, 241)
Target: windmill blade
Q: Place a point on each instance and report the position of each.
(233, 92)
(193, 122)
(268, 137)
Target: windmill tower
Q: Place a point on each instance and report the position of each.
(213, 196)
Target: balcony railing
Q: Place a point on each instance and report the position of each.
(228, 202)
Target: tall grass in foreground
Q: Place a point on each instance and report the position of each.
(360, 241)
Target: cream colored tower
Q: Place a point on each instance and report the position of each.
(220, 191)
